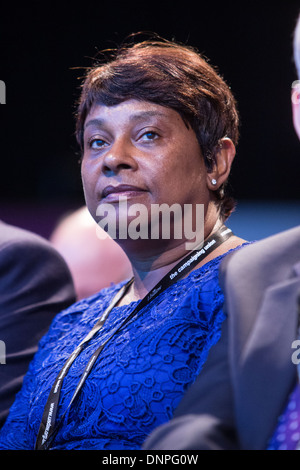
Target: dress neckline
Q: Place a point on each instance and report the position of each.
(179, 282)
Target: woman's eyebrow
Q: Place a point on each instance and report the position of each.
(97, 122)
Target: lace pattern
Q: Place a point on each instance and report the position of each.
(140, 376)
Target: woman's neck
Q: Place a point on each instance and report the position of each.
(151, 265)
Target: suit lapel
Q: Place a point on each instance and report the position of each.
(265, 371)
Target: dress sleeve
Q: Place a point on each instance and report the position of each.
(204, 419)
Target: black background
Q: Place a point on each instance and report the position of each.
(42, 44)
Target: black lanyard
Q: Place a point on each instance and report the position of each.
(48, 429)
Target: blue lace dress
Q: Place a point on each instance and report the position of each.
(140, 376)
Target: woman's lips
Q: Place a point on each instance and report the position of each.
(111, 193)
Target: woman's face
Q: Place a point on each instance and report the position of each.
(143, 152)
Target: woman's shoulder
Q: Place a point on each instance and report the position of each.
(84, 312)
(210, 270)
(203, 283)
(101, 297)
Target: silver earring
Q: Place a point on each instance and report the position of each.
(213, 181)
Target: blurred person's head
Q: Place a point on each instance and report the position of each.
(296, 84)
(94, 259)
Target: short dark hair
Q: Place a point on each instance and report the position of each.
(172, 75)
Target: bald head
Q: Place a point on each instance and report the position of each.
(296, 84)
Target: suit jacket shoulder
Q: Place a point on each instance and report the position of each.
(246, 274)
(282, 250)
(35, 285)
(261, 284)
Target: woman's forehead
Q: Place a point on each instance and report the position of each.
(131, 111)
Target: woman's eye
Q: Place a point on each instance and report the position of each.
(96, 143)
(149, 135)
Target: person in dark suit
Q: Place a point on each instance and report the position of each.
(35, 284)
(247, 396)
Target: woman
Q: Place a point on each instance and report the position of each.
(156, 125)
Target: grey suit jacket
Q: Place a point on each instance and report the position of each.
(35, 284)
(237, 398)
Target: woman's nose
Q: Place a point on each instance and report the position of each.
(120, 156)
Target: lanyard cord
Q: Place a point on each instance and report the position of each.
(48, 428)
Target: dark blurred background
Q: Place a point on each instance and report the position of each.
(44, 48)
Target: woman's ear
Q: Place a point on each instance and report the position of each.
(222, 164)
